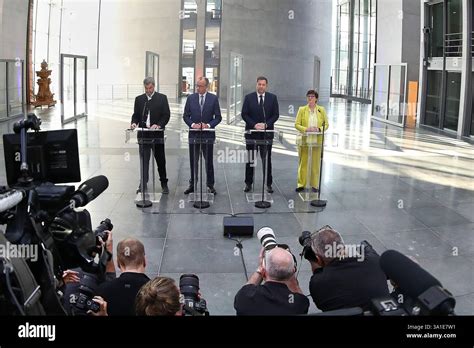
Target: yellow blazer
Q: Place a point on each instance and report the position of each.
(302, 123)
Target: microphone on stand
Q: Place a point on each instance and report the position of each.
(143, 203)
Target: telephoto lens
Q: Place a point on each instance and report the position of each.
(189, 289)
(266, 236)
(189, 286)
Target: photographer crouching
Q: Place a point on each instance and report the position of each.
(344, 276)
(281, 293)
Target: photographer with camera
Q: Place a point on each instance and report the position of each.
(79, 286)
(281, 293)
(340, 278)
(120, 293)
(159, 297)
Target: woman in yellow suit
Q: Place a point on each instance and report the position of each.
(310, 118)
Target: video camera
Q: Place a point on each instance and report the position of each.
(40, 213)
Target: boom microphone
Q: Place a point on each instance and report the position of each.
(416, 282)
(89, 190)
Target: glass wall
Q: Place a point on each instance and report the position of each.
(79, 24)
(62, 26)
(354, 56)
(381, 91)
(235, 92)
(435, 15)
(15, 88)
(454, 28)
(11, 88)
(188, 46)
(342, 49)
(213, 40)
(433, 97)
(453, 92)
(396, 100)
(390, 93)
(445, 72)
(74, 87)
(46, 40)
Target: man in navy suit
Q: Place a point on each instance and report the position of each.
(260, 111)
(202, 111)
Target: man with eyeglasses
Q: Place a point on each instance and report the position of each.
(202, 111)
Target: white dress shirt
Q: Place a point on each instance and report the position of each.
(148, 116)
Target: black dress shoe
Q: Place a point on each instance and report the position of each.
(299, 189)
(164, 189)
(212, 189)
(247, 188)
(269, 189)
(189, 190)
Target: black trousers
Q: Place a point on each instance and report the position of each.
(207, 151)
(252, 150)
(145, 154)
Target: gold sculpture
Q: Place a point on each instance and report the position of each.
(44, 96)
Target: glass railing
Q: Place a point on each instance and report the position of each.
(453, 45)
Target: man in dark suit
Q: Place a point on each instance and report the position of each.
(151, 111)
(260, 111)
(202, 111)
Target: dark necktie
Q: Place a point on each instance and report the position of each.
(202, 102)
(261, 101)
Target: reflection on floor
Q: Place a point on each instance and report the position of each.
(410, 190)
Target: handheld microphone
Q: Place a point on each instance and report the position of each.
(10, 199)
(417, 283)
(89, 190)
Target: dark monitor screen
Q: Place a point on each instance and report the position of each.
(52, 156)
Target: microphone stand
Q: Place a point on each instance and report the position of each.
(201, 204)
(264, 204)
(319, 202)
(143, 203)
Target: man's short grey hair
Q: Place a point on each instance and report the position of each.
(149, 81)
(324, 239)
(277, 268)
(205, 79)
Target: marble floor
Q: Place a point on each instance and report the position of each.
(404, 189)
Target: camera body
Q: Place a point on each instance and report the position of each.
(81, 301)
(193, 304)
(305, 242)
(104, 226)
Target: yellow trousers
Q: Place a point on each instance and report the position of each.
(303, 152)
